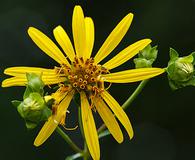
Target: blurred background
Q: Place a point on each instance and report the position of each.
(163, 120)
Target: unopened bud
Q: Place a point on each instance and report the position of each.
(180, 70)
(146, 57)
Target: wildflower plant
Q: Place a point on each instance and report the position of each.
(81, 78)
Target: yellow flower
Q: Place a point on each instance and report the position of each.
(78, 73)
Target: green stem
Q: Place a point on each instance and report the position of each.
(127, 103)
(135, 94)
(86, 152)
(68, 140)
(80, 121)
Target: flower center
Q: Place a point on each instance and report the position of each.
(84, 75)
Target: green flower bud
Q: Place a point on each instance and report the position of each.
(34, 110)
(33, 103)
(180, 70)
(34, 107)
(35, 83)
(146, 57)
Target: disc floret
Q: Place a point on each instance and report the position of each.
(84, 75)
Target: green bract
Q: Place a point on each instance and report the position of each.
(146, 57)
(180, 70)
(33, 108)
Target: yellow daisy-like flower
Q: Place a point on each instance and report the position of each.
(78, 73)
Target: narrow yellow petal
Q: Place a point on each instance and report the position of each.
(53, 121)
(14, 81)
(90, 36)
(49, 76)
(22, 81)
(47, 46)
(132, 75)
(114, 38)
(109, 119)
(58, 96)
(78, 29)
(118, 111)
(64, 41)
(21, 71)
(89, 128)
(126, 54)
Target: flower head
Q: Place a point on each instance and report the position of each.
(83, 74)
(180, 70)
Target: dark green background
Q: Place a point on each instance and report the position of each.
(163, 120)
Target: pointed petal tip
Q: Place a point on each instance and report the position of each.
(120, 140)
(148, 40)
(130, 15)
(78, 7)
(3, 84)
(58, 27)
(36, 144)
(131, 135)
(30, 29)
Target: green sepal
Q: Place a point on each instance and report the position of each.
(35, 83)
(27, 92)
(146, 57)
(177, 85)
(16, 103)
(30, 125)
(173, 54)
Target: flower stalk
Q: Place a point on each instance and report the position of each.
(68, 140)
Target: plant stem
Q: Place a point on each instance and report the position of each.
(68, 140)
(86, 152)
(127, 102)
(80, 121)
(135, 94)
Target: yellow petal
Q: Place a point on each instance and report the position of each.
(90, 34)
(14, 81)
(78, 29)
(53, 121)
(58, 96)
(64, 41)
(118, 111)
(126, 54)
(21, 71)
(114, 38)
(47, 46)
(109, 119)
(89, 128)
(48, 76)
(132, 75)
(22, 81)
